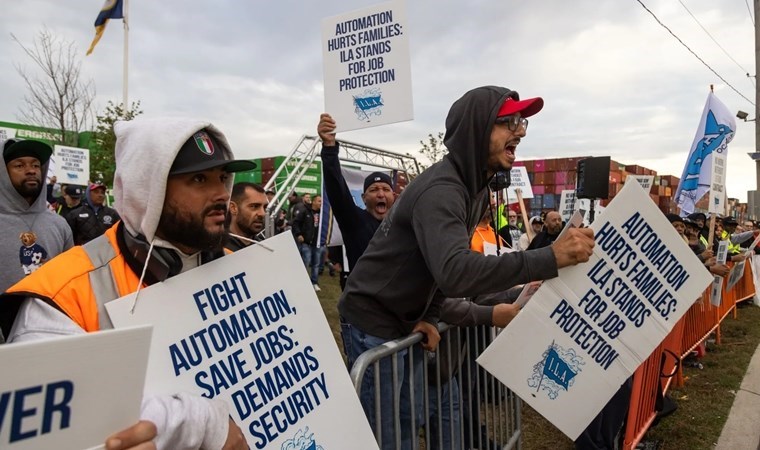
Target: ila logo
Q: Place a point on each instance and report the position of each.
(556, 371)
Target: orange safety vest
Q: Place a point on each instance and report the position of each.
(82, 280)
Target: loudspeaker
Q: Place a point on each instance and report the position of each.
(593, 177)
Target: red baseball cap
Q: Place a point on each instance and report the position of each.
(526, 107)
(94, 186)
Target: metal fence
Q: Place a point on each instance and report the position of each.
(443, 400)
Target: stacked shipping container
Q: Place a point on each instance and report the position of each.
(549, 177)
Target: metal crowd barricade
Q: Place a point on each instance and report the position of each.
(694, 327)
(452, 402)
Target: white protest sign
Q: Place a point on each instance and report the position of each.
(585, 332)
(72, 165)
(71, 392)
(716, 290)
(717, 198)
(527, 293)
(519, 180)
(644, 180)
(367, 69)
(567, 204)
(248, 328)
(736, 274)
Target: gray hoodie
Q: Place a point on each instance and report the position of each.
(421, 252)
(16, 217)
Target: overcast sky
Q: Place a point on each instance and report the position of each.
(614, 81)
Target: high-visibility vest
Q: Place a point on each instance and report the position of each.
(733, 249)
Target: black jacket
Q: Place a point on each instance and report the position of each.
(86, 224)
(303, 225)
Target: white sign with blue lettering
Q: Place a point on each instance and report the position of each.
(248, 328)
(518, 179)
(72, 392)
(367, 68)
(72, 165)
(586, 331)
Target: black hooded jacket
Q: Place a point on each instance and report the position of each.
(421, 252)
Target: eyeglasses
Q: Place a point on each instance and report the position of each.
(513, 122)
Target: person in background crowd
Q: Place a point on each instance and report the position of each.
(701, 220)
(421, 253)
(734, 239)
(92, 218)
(679, 224)
(510, 232)
(552, 228)
(71, 199)
(691, 232)
(357, 224)
(172, 185)
(306, 232)
(536, 223)
(32, 234)
(248, 205)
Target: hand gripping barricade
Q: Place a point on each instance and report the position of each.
(445, 399)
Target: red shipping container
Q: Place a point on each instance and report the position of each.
(538, 189)
(529, 165)
(570, 177)
(616, 177)
(569, 187)
(559, 188)
(539, 165)
(539, 178)
(655, 198)
(560, 177)
(267, 164)
(550, 165)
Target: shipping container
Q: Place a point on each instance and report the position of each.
(538, 166)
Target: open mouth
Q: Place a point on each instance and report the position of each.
(381, 207)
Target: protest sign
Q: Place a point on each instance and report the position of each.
(72, 165)
(519, 180)
(716, 290)
(644, 180)
(248, 329)
(367, 69)
(567, 204)
(717, 202)
(586, 331)
(72, 392)
(736, 274)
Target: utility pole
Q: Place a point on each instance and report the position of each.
(753, 197)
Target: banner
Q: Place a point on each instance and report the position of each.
(585, 332)
(248, 328)
(717, 202)
(71, 392)
(519, 180)
(367, 68)
(715, 131)
(72, 165)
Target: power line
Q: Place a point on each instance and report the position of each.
(713, 39)
(695, 55)
(750, 12)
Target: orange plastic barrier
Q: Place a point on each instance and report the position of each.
(702, 319)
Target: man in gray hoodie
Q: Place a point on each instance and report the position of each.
(172, 186)
(421, 252)
(32, 234)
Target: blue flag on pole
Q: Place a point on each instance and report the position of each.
(716, 129)
(112, 9)
(557, 370)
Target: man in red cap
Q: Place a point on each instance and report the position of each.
(93, 217)
(421, 254)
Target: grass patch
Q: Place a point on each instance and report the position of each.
(703, 402)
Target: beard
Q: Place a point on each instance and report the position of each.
(249, 228)
(29, 192)
(189, 231)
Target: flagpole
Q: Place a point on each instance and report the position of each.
(125, 81)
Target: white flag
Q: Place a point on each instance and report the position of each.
(716, 129)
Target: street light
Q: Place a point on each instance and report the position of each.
(743, 116)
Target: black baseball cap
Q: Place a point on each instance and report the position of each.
(203, 152)
(18, 148)
(377, 177)
(74, 191)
